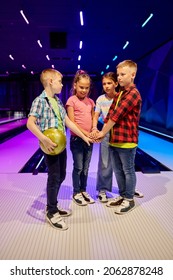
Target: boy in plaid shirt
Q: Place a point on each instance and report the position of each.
(123, 120)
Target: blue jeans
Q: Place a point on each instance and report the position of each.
(81, 153)
(123, 163)
(56, 166)
(105, 171)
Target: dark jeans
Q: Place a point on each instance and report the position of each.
(56, 174)
(81, 153)
(123, 163)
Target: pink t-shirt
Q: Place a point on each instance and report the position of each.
(82, 111)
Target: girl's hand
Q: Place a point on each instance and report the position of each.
(93, 133)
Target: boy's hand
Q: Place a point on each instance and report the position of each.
(48, 144)
(99, 135)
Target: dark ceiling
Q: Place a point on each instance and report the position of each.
(108, 25)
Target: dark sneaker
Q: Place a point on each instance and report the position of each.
(56, 221)
(115, 201)
(102, 197)
(125, 207)
(138, 194)
(88, 198)
(79, 199)
(64, 212)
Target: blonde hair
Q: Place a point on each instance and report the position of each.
(48, 74)
(128, 63)
(79, 75)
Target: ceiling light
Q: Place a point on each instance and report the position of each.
(10, 56)
(78, 67)
(79, 57)
(48, 58)
(102, 72)
(126, 44)
(115, 57)
(81, 18)
(107, 67)
(39, 43)
(80, 45)
(145, 22)
(23, 66)
(23, 15)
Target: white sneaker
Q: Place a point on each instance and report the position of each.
(56, 221)
(138, 194)
(125, 207)
(115, 201)
(102, 197)
(88, 198)
(64, 212)
(79, 199)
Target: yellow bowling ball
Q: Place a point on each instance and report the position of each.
(58, 137)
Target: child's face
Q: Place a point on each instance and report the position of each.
(56, 84)
(82, 88)
(109, 86)
(125, 76)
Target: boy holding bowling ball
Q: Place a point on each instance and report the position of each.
(47, 111)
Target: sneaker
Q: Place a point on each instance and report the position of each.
(64, 212)
(102, 197)
(79, 199)
(138, 194)
(88, 198)
(56, 221)
(115, 201)
(125, 207)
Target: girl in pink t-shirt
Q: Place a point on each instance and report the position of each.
(80, 110)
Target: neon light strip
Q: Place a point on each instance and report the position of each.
(126, 44)
(23, 15)
(145, 22)
(162, 134)
(81, 18)
(39, 162)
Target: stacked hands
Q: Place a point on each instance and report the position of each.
(96, 135)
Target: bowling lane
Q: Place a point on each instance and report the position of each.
(4, 127)
(11, 128)
(16, 151)
(156, 147)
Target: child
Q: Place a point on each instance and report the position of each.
(103, 103)
(47, 111)
(122, 120)
(80, 109)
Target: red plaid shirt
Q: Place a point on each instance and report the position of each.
(126, 116)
